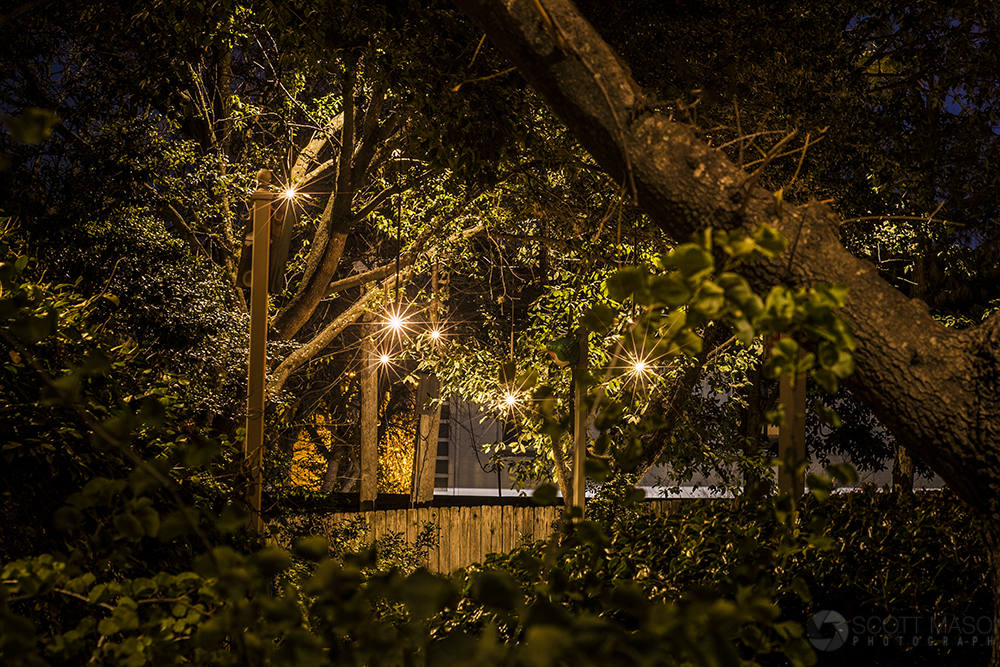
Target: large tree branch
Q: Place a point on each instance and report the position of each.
(328, 246)
(405, 260)
(933, 387)
(22, 9)
(299, 173)
(307, 352)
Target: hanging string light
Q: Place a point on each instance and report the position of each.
(510, 399)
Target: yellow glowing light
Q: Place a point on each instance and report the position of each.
(289, 193)
(384, 359)
(435, 334)
(510, 399)
(639, 367)
(395, 322)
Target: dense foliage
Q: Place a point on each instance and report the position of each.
(870, 554)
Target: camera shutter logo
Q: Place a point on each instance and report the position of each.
(819, 636)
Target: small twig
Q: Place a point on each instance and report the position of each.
(482, 40)
(751, 181)
(742, 138)
(61, 591)
(768, 158)
(901, 217)
(739, 131)
(483, 78)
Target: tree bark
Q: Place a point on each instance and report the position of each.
(902, 467)
(331, 237)
(935, 388)
(333, 461)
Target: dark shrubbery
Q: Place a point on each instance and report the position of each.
(871, 555)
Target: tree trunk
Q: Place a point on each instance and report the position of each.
(936, 389)
(902, 467)
(300, 308)
(425, 448)
(333, 461)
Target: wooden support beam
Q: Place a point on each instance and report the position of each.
(579, 487)
(368, 483)
(253, 444)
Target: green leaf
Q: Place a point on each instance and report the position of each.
(129, 526)
(827, 295)
(634, 496)
(497, 589)
(427, 594)
(694, 262)
(66, 518)
(148, 518)
(314, 547)
(670, 290)
(152, 413)
(32, 126)
(599, 318)
(827, 415)
(844, 365)
(546, 494)
(819, 486)
(144, 588)
(200, 452)
(769, 241)
(688, 342)
(745, 332)
(37, 327)
(710, 299)
(625, 282)
(825, 379)
(234, 516)
(800, 588)
(271, 561)
(596, 469)
(844, 473)
(172, 526)
(673, 324)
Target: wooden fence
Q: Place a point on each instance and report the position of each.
(467, 534)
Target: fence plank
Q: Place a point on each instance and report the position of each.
(467, 534)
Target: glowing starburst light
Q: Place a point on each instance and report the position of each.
(289, 193)
(639, 368)
(395, 323)
(384, 359)
(435, 334)
(510, 399)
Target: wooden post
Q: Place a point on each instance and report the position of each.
(253, 444)
(429, 421)
(368, 483)
(792, 436)
(425, 448)
(579, 427)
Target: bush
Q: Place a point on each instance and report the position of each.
(870, 554)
